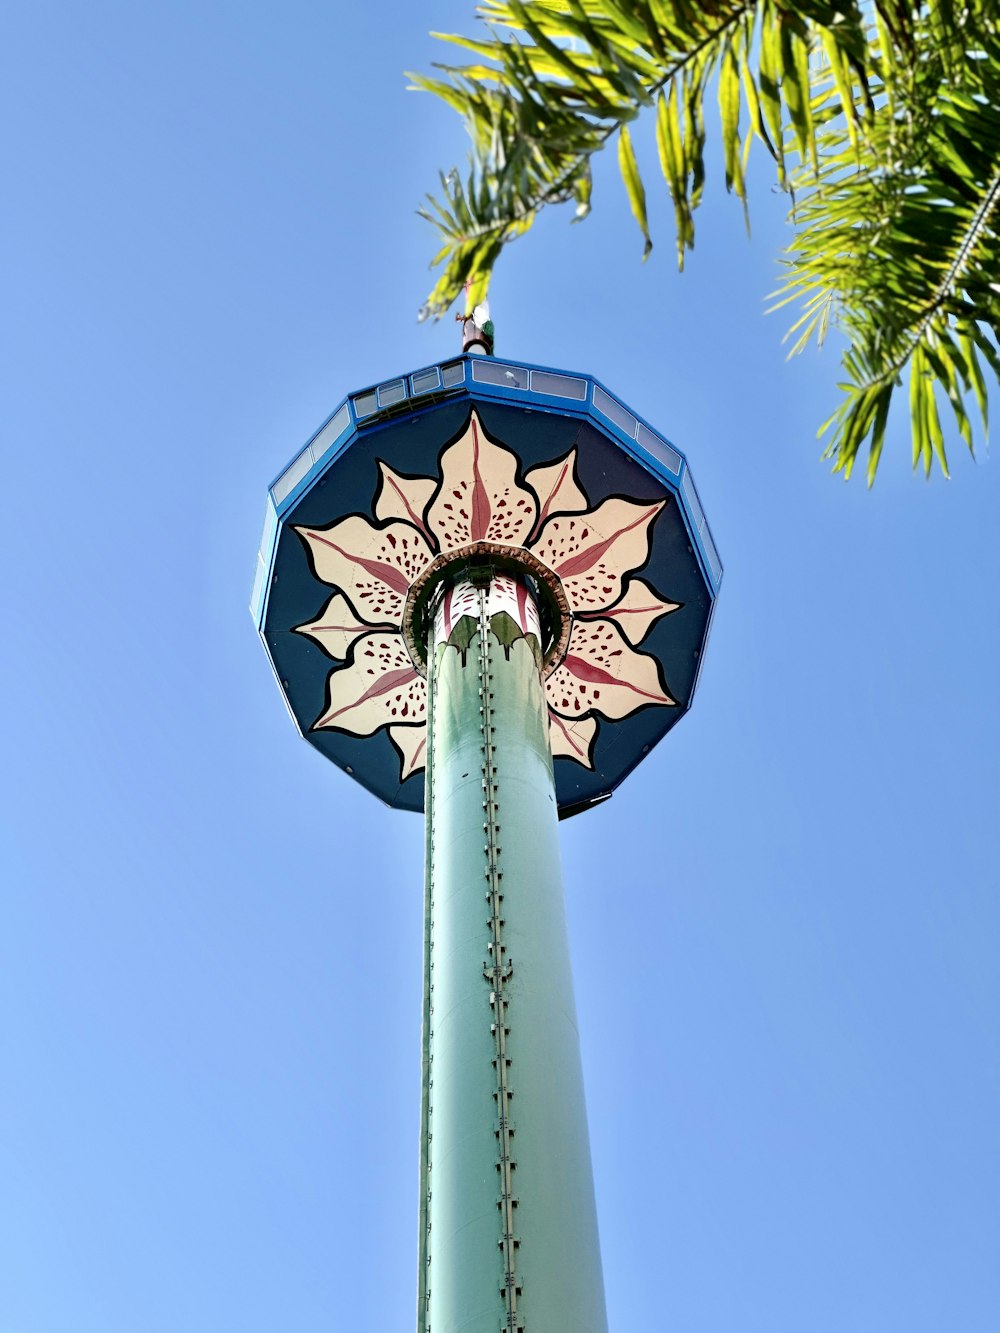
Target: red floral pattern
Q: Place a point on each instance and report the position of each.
(602, 674)
(373, 567)
(635, 613)
(479, 498)
(593, 552)
(377, 688)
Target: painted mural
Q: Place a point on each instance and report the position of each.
(597, 553)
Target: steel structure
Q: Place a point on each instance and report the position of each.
(485, 589)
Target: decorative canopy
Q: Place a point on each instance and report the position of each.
(539, 483)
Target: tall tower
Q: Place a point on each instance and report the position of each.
(485, 589)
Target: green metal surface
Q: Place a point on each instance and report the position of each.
(425, 1037)
(508, 1223)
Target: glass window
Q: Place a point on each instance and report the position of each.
(258, 587)
(425, 381)
(559, 386)
(613, 410)
(495, 372)
(391, 393)
(693, 503)
(267, 533)
(291, 476)
(714, 563)
(365, 404)
(453, 374)
(659, 449)
(330, 433)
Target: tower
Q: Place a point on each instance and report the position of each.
(485, 589)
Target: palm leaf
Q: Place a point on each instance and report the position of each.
(905, 237)
(885, 132)
(554, 81)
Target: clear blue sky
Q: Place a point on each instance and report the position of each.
(785, 923)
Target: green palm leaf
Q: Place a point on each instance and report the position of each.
(887, 135)
(903, 236)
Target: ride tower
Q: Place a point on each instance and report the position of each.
(485, 589)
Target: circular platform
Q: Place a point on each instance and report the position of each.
(494, 459)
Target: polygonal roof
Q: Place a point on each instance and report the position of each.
(480, 450)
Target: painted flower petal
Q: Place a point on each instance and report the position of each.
(335, 628)
(479, 498)
(602, 674)
(574, 740)
(378, 688)
(511, 595)
(556, 488)
(637, 610)
(411, 742)
(592, 553)
(373, 566)
(403, 497)
(507, 600)
(456, 603)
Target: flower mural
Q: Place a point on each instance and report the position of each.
(594, 552)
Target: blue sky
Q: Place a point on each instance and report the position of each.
(784, 924)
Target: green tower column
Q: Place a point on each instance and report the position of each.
(508, 1222)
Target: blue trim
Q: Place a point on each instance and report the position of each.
(265, 561)
(417, 390)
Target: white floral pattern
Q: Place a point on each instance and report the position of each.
(478, 498)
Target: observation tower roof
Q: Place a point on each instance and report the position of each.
(486, 456)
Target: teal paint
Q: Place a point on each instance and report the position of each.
(425, 1037)
(508, 1222)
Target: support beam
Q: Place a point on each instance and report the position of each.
(509, 1228)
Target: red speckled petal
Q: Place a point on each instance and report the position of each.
(510, 595)
(637, 610)
(336, 627)
(373, 566)
(574, 740)
(479, 498)
(377, 689)
(593, 552)
(411, 742)
(456, 603)
(602, 674)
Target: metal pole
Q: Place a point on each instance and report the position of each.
(508, 1223)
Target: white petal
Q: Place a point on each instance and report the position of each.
(602, 674)
(378, 688)
(373, 566)
(574, 740)
(593, 552)
(403, 497)
(637, 610)
(479, 498)
(556, 488)
(411, 742)
(336, 627)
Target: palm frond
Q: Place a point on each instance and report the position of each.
(882, 120)
(903, 239)
(552, 83)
